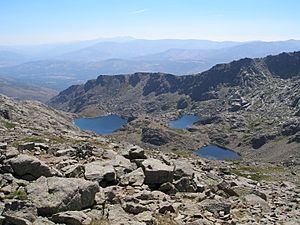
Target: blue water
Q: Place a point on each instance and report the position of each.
(101, 125)
(217, 153)
(184, 122)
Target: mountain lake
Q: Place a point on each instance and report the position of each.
(102, 124)
(215, 152)
(184, 122)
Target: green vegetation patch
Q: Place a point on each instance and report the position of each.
(102, 221)
(179, 131)
(259, 173)
(9, 125)
(19, 194)
(34, 139)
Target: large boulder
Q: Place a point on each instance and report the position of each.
(186, 184)
(154, 136)
(182, 168)
(215, 206)
(30, 168)
(19, 212)
(244, 190)
(101, 171)
(54, 194)
(134, 152)
(157, 172)
(135, 178)
(72, 218)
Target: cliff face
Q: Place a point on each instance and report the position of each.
(109, 92)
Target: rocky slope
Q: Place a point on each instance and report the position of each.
(52, 173)
(246, 105)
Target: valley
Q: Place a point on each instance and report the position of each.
(249, 105)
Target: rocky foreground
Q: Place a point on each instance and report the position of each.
(51, 173)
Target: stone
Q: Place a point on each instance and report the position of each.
(76, 170)
(134, 208)
(3, 145)
(64, 152)
(19, 212)
(182, 168)
(55, 194)
(168, 188)
(11, 152)
(185, 184)
(215, 206)
(42, 146)
(117, 216)
(244, 190)
(124, 164)
(135, 152)
(134, 178)
(30, 168)
(42, 221)
(145, 217)
(227, 188)
(154, 136)
(157, 172)
(5, 113)
(72, 218)
(253, 200)
(26, 146)
(166, 208)
(102, 172)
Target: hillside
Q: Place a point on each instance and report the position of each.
(53, 173)
(247, 104)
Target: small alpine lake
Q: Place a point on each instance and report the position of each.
(102, 124)
(184, 122)
(215, 152)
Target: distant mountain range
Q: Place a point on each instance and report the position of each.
(57, 66)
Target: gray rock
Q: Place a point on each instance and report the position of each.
(253, 200)
(216, 206)
(118, 216)
(54, 194)
(166, 208)
(11, 152)
(182, 168)
(64, 152)
(186, 184)
(243, 191)
(155, 136)
(30, 168)
(42, 221)
(145, 217)
(123, 165)
(6, 113)
(26, 146)
(102, 172)
(3, 145)
(134, 208)
(135, 152)
(19, 212)
(157, 172)
(135, 178)
(168, 188)
(42, 146)
(76, 170)
(72, 218)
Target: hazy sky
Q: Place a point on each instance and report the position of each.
(41, 21)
